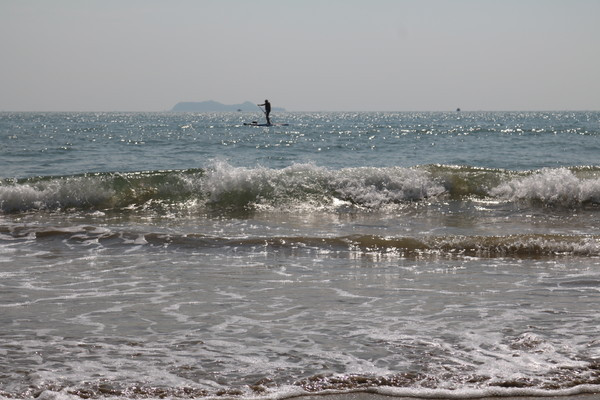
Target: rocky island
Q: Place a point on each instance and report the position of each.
(215, 106)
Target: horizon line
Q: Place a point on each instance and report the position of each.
(298, 111)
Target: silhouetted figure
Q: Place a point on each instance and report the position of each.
(267, 110)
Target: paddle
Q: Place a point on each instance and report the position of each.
(261, 109)
(264, 112)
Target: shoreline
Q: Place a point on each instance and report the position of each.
(378, 396)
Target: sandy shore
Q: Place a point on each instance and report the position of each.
(373, 396)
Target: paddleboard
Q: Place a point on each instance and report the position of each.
(257, 124)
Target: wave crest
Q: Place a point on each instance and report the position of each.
(299, 187)
(554, 187)
(77, 192)
(303, 185)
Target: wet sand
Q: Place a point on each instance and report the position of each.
(374, 396)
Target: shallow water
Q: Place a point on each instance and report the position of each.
(185, 255)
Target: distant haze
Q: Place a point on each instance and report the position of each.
(212, 106)
(303, 55)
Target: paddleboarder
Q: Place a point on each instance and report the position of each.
(267, 110)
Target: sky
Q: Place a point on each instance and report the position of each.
(303, 55)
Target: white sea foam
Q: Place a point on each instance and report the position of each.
(379, 186)
(56, 193)
(555, 187)
(310, 186)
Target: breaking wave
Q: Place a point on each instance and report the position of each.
(300, 186)
(554, 187)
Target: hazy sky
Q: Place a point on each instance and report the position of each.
(304, 55)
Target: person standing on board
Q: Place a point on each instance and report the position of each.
(267, 110)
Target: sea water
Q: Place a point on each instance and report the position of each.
(153, 255)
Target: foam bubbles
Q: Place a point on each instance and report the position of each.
(553, 187)
(66, 192)
(299, 187)
(302, 185)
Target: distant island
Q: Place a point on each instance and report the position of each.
(215, 106)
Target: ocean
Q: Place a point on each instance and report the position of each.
(185, 255)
